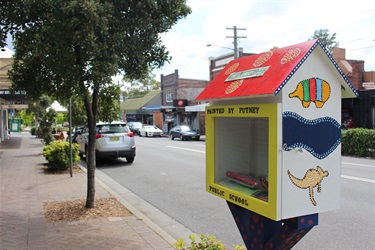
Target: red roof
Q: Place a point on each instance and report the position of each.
(277, 66)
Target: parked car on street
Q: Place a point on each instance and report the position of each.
(113, 140)
(76, 131)
(150, 130)
(184, 132)
(134, 127)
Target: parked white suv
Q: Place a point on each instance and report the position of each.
(113, 140)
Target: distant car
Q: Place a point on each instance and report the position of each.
(150, 130)
(134, 127)
(184, 132)
(76, 132)
(113, 140)
(66, 124)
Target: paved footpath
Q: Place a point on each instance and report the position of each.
(23, 189)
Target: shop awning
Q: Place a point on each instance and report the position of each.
(167, 108)
(197, 108)
(151, 108)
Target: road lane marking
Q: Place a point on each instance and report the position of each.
(356, 164)
(343, 176)
(187, 149)
(358, 178)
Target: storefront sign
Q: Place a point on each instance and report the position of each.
(233, 110)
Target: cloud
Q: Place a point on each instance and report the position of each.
(267, 23)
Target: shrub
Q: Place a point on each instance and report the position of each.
(358, 142)
(57, 154)
(33, 130)
(47, 138)
(204, 243)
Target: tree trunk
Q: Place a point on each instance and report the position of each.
(91, 165)
(91, 111)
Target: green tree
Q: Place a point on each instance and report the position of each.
(140, 87)
(328, 40)
(61, 118)
(36, 107)
(45, 118)
(79, 116)
(74, 47)
(27, 117)
(109, 109)
(46, 121)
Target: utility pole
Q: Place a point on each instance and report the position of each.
(235, 39)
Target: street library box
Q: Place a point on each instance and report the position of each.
(273, 131)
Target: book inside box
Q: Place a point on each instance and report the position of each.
(241, 154)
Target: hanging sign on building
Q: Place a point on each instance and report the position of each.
(180, 103)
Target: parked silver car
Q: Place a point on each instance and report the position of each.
(113, 140)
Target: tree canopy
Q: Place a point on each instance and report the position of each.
(328, 40)
(74, 47)
(140, 87)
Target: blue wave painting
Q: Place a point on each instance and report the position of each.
(320, 136)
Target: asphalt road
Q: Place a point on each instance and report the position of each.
(170, 175)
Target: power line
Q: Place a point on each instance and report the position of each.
(360, 39)
(363, 48)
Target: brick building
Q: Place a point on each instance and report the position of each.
(178, 93)
(362, 108)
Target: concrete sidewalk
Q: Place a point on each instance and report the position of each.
(24, 188)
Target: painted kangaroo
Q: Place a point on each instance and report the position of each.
(312, 178)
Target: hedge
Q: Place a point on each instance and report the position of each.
(358, 142)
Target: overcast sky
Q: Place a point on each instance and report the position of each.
(268, 23)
